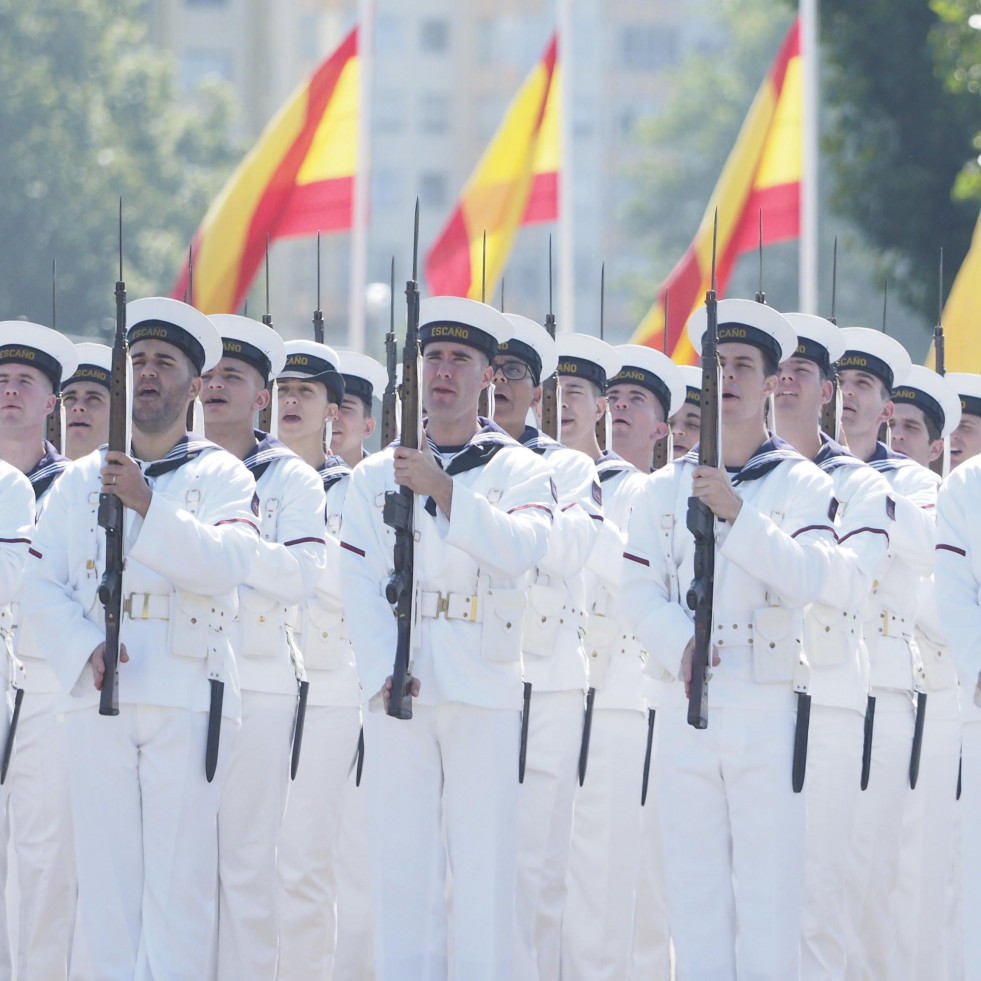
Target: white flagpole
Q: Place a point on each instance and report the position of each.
(567, 254)
(362, 181)
(807, 253)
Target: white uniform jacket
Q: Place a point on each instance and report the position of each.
(556, 617)
(836, 651)
(287, 563)
(323, 634)
(33, 673)
(471, 572)
(16, 532)
(890, 617)
(772, 561)
(183, 564)
(616, 657)
(958, 577)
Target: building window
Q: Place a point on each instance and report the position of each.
(199, 63)
(389, 29)
(385, 188)
(434, 35)
(388, 110)
(432, 189)
(434, 112)
(649, 47)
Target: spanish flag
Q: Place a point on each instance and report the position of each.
(762, 175)
(962, 314)
(515, 183)
(297, 180)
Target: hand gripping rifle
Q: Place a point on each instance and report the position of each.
(389, 420)
(400, 505)
(111, 511)
(550, 386)
(701, 520)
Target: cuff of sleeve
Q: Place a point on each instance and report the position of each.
(153, 530)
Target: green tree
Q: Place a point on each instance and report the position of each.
(88, 113)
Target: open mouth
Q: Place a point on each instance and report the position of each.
(289, 417)
(215, 400)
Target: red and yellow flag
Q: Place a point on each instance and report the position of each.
(297, 180)
(515, 183)
(762, 175)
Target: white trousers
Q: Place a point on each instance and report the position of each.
(38, 797)
(546, 805)
(922, 894)
(443, 786)
(146, 829)
(308, 845)
(970, 870)
(597, 928)
(651, 946)
(352, 956)
(874, 851)
(250, 815)
(831, 789)
(733, 845)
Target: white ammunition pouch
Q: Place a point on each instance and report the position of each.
(938, 669)
(324, 636)
(264, 620)
(600, 641)
(827, 633)
(776, 644)
(195, 621)
(542, 619)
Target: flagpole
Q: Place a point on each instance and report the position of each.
(807, 253)
(567, 255)
(362, 182)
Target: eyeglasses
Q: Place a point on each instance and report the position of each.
(512, 370)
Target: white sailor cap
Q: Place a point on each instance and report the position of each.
(968, 387)
(160, 318)
(94, 364)
(587, 357)
(462, 321)
(531, 342)
(363, 376)
(251, 341)
(876, 354)
(818, 340)
(932, 393)
(649, 368)
(315, 362)
(693, 383)
(23, 342)
(747, 322)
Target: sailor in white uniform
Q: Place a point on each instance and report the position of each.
(839, 671)
(554, 665)
(733, 827)
(145, 813)
(287, 564)
(871, 367)
(443, 786)
(965, 440)
(35, 796)
(311, 389)
(604, 864)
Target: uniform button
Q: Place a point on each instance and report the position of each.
(194, 619)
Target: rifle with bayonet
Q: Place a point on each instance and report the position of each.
(660, 456)
(265, 415)
(318, 314)
(829, 411)
(700, 519)
(389, 419)
(942, 464)
(54, 430)
(399, 507)
(600, 427)
(111, 511)
(483, 400)
(550, 385)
